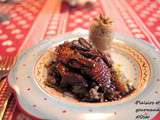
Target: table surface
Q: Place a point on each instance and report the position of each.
(32, 21)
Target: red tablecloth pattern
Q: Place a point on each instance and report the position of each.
(5, 91)
(36, 20)
(13, 32)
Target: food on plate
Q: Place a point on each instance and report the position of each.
(82, 69)
(88, 74)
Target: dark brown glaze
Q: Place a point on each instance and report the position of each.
(81, 69)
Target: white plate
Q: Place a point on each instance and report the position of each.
(139, 62)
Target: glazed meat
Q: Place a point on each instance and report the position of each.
(81, 69)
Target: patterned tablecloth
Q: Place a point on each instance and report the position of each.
(36, 20)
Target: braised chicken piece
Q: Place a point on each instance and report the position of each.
(87, 73)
